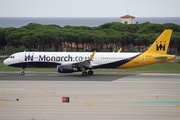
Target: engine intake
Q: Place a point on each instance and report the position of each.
(65, 69)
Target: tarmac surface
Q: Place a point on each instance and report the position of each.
(38, 96)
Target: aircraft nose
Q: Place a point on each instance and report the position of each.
(5, 62)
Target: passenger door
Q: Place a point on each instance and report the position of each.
(21, 57)
(142, 58)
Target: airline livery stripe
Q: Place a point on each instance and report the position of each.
(115, 64)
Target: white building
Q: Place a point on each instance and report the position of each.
(127, 19)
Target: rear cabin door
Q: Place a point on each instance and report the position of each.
(142, 58)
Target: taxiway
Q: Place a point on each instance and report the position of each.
(101, 96)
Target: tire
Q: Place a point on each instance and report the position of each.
(22, 73)
(90, 72)
(84, 73)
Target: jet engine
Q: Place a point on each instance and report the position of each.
(66, 69)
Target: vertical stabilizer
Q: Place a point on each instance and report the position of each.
(162, 43)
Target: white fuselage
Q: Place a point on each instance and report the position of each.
(52, 59)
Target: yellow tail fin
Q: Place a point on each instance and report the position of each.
(162, 43)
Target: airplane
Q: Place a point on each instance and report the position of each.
(69, 62)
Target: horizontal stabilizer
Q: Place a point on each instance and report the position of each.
(159, 58)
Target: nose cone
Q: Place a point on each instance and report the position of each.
(5, 62)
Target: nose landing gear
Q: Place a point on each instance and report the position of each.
(22, 73)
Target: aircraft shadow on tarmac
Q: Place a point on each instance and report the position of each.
(62, 77)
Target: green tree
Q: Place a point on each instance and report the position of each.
(175, 41)
(26, 41)
(21, 49)
(82, 39)
(36, 36)
(131, 50)
(41, 40)
(11, 49)
(3, 42)
(81, 51)
(68, 37)
(13, 39)
(51, 50)
(68, 50)
(89, 40)
(105, 50)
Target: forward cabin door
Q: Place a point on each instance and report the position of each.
(21, 56)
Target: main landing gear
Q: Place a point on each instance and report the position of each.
(84, 73)
(22, 73)
(90, 72)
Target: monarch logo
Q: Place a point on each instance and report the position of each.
(28, 57)
(161, 46)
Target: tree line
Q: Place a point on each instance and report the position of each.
(35, 36)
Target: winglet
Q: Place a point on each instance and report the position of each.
(92, 55)
(119, 50)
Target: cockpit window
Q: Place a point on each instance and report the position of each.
(12, 57)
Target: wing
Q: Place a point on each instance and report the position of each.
(86, 63)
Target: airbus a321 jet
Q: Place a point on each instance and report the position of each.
(69, 62)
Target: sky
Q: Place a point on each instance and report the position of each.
(89, 8)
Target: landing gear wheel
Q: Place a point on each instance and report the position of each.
(84, 73)
(22, 73)
(90, 72)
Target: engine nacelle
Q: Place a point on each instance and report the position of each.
(66, 69)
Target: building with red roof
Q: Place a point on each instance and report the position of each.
(127, 19)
